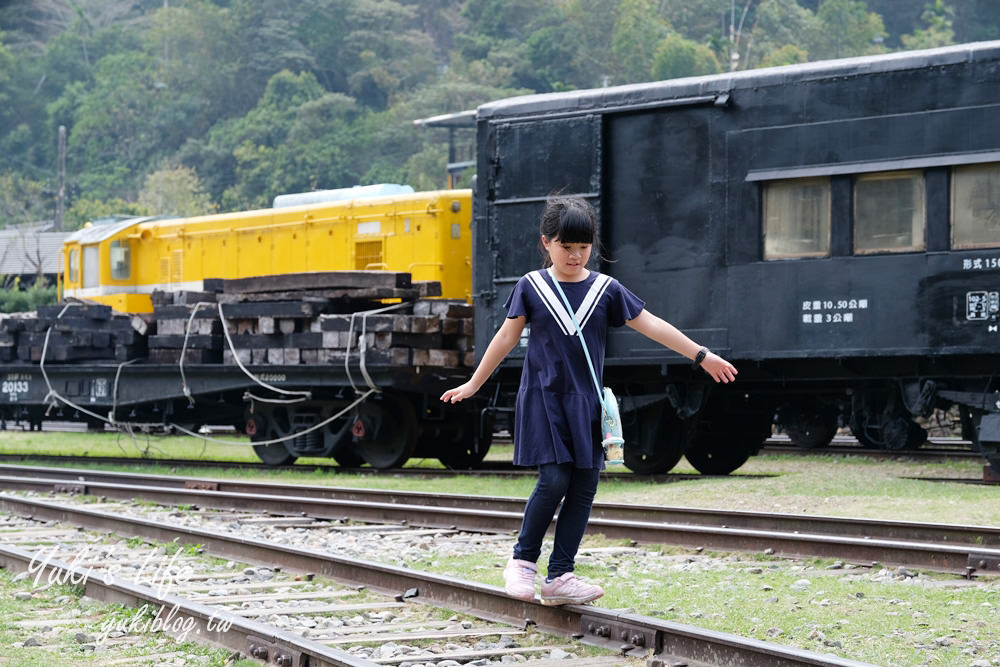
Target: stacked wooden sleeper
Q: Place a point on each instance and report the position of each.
(85, 332)
(272, 320)
(307, 319)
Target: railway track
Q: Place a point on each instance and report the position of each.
(936, 449)
(295, 633)
(965, 550)
(494, 468)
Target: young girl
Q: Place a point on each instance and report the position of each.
(557, 414)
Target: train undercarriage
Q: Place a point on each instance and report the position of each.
(327, 413)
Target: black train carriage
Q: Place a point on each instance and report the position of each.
(833, 228)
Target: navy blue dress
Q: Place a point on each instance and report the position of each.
(557, 414)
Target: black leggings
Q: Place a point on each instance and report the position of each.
(575, 488)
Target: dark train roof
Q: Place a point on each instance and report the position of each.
(715, 85)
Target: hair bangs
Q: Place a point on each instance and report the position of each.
(575, 226)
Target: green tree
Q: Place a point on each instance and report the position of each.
(392, 136)
(6, 93)
(847, 28)
(591, 24)
(780, 34)
(702, 20)
(200, 67)
(297, 138)
(23, 200)
(175, 191)
(500, 46)
(114, 131)
(789, 54)
(86, 210)
(937, 16)
(386, 54)
(678, 57)
(899, 18)
(977, 20)
(636, 39)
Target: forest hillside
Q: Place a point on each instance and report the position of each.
(181, 107)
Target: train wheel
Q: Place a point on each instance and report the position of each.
(348, 458)
(340, 443)
(655, 440)
(463, 448)
(810, 425)
(714, 455)
(722, 443)
(386, 432)
(903, 433)
(860, 430)
(894, 433)
(274, 454)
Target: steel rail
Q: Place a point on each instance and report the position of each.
(623, 632)
(501, 468)
(957, 558)
(808, 523)
(212, 624)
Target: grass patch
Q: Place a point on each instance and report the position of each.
(59, 644)
(874, 616)
(820, 484)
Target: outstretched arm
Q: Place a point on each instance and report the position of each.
(503, 342)
(666, 334)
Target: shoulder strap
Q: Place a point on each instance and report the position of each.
(579, 331)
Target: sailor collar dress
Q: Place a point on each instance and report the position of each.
(557, 413)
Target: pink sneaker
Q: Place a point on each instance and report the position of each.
(567, 589)
(519, 579)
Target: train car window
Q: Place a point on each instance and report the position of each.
(118, 253)
(91, 267)
(74, 265)
(975, 206)
(797, 218)
(889, 212)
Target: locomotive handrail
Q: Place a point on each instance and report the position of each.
(229, 230)
(410, 268)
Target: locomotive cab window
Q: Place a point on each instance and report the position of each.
(889, 212)
(74, 265)
(975, 206)
(91, 268)
(797, 218)
(118, 253)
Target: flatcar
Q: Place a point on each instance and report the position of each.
(833, 228)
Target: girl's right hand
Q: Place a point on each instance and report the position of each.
(460, 392)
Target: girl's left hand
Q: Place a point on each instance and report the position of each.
(720, 369)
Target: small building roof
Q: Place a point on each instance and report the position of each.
(21, 251)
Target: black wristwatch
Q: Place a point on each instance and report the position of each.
(700, 357)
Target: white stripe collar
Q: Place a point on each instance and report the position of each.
(554, 304)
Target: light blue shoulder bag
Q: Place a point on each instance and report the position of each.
(611, 424)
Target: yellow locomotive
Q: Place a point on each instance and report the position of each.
(427, 234)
